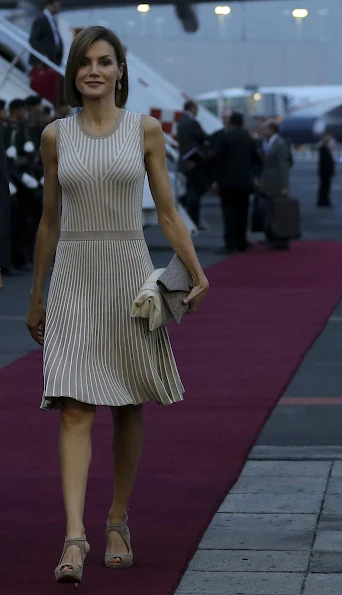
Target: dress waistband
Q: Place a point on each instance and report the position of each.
(110, 234)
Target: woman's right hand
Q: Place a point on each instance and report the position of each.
(35, 321)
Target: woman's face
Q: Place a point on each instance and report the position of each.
(99, 72)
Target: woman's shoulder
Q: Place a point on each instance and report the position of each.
(67, 121)
(50, 131)
(149, 122)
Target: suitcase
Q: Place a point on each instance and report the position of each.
(285, 219)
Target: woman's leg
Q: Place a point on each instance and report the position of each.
(127, 444)
(75, 456)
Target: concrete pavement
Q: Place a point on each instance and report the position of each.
(278, 532)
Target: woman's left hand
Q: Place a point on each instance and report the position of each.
(197, 294)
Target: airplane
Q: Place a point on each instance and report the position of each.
(304, 112)
(312, 112)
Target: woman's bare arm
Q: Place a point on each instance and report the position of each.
(49, 226)
(169, 219)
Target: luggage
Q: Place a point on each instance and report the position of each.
(284, 219)
(277, 217)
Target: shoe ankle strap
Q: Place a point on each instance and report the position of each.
(77, 539)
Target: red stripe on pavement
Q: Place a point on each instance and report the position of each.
(311, 401)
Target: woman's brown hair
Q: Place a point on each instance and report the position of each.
(79, 47)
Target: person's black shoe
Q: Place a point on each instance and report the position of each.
(223, 250)
(10, 272)
(278, 247)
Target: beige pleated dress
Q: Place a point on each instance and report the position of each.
(94, 351)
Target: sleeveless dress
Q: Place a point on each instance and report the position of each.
(94, 351)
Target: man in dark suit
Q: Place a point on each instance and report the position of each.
(326, 171)
(46, 39)
(192, 139)
(236, 164)
(275, 179)
(45, 36)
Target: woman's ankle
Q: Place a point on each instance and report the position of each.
(75, 530)
(117, 514)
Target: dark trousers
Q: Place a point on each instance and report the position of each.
(274, 241)
(324, 192)
(26, 213)
(235, 205)
(197, 183)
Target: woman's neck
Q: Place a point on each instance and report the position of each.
(100, 112)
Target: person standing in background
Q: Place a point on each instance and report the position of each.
(220, 134)
(192, 139)
(46, 39)
(326, 171)
(5, 214)
(3, 112)
(236, 164)
(22, 160)
(275, 177)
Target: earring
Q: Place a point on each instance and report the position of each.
(119, 85)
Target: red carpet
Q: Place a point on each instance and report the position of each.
(236, 358)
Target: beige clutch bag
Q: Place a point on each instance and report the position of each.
(175, 283)
(161, 297)
(149, 303)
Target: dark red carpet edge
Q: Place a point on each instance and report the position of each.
(236, 358)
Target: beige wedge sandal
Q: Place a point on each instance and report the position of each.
(70, 572)
(126, 559)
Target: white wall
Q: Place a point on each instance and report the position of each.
(214, 64)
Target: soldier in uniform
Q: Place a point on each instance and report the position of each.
(21, 149)
(5, 214)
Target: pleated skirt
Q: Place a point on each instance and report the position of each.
(94, 351)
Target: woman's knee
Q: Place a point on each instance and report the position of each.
(76, 415)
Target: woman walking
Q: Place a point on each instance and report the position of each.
(94, 352)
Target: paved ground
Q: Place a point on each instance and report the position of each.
(279, 532)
